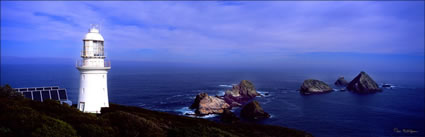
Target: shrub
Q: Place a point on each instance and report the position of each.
(130, 125)
(54, 128)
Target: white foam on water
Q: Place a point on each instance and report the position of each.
(227, 86)
(208, 116)
(186, 111)
(204, 116)
(191, 97)
(263, 93)
(221, 93)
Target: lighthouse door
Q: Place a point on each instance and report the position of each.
(82, 106)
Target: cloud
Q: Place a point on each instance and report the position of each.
(222, 31)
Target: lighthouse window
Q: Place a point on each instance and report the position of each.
(86, 48)
(98, 48)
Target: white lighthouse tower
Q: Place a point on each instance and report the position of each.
(93, 69)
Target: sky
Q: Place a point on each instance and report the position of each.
(352, 34)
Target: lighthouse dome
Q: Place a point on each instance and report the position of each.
(93, 35)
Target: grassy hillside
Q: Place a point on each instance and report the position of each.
(23, 117)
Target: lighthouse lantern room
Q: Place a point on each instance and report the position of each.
(93, 92)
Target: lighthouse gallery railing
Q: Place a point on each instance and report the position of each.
(81, 63)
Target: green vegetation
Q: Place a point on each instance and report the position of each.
(24, 118)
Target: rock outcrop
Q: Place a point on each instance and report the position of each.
(314, 86)
(205, 104)
(363, 83)
(253, 111)
(240, 93)
(229, 117)
(341, 82)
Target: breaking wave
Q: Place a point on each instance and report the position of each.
(264, 93)
(227, 86)
(221, 93)
(185, 111)
(191, 113)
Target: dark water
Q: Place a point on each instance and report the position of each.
(172, 89)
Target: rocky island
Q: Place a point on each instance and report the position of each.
(254, 111)
(314, 86)
(363, 83)
(341, 82)
(240, 93)
(238, 96)
(205, 105)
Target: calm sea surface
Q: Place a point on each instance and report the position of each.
(173, 89)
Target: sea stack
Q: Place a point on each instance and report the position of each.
(205, 105)
(314, 86)
(363, 83)
(253, 111)
(341, 82)
(241, 93)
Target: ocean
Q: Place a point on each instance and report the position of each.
(394, 112)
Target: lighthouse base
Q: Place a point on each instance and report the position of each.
(93, 93)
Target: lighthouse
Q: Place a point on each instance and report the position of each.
(93, 92)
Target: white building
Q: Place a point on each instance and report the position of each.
(93, 69)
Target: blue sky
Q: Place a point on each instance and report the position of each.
(280, 33)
